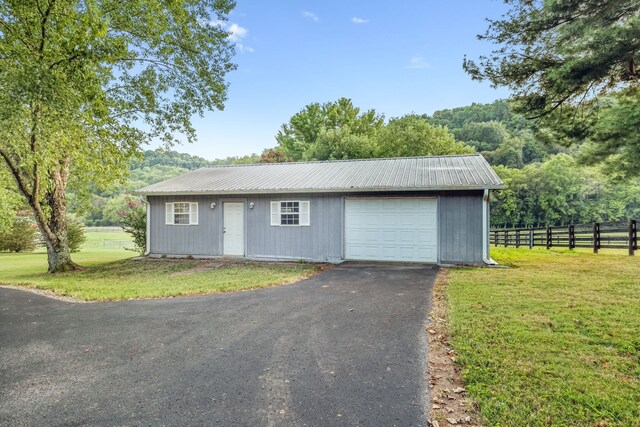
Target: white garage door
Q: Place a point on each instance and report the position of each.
(402, 229)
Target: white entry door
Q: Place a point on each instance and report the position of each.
(233, 228)
(402, 229)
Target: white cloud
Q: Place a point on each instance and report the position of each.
(310, 15)
(237, 32)
(242, 48)
(418, 62)
(357, 20)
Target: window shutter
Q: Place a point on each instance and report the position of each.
(168, 209)
(275, 213)
(193, 213)
(305, 214)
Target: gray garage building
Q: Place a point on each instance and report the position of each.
(418, 209)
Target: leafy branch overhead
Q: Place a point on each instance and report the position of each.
(568, 63)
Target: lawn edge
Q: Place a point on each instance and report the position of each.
(449, 402)
(48, 293)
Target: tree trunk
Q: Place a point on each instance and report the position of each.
(53, 226)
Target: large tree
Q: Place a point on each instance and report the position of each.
(567, 61)
(332, 121)
(84, 83)
(413, 135)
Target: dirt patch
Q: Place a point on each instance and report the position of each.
(202, 267)
(449, 402)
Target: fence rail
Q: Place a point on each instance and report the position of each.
(598, 235)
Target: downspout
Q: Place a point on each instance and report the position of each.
(485, 229)
(147, 248)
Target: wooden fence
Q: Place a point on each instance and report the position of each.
(599, 235)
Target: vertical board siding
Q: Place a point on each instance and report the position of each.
(460, 217)
(459, 223)
(320, 241)
(201, 239)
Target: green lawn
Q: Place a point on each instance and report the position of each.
(109, 274)
(554, 340)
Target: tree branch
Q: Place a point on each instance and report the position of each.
(24, 188)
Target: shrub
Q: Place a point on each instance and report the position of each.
(21, 237)
(134, 221)
(75, 234)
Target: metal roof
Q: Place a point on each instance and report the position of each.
(464, 172)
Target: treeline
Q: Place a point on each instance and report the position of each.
(153, 166)
(546, 185)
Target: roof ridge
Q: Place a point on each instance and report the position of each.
(312, 162)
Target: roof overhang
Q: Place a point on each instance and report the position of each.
(323, 190)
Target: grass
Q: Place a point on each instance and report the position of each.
(109, 274)
(554, 340)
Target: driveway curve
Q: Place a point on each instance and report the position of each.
(346, 347)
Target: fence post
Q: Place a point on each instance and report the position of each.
(596, 237)
(495, 237)
(549, 237)
(531, 242)
(506, 238)
(517, 238)
(572, 237)
(633, 237)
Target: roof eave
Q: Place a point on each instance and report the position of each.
(143, 192)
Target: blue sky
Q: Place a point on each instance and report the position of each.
(396, 57)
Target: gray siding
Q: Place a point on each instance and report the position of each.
(201, 239)
(459, 224)
(460, 217)
(321, 240)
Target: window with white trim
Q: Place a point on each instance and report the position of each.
(181, 213)
(290, 213)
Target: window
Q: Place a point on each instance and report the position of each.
(181, 213)
(290, 213)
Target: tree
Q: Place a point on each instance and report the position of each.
(562, 59)
(85, 84)
(274, 155)
(484, 136)
(413, 135)
(297, 136)
(340, 144)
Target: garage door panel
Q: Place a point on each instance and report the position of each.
(391, 229)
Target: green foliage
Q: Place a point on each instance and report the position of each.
(484, 136)
(413, 135)
(559, 192)
(133, 217)
(297, 137)
(340, 144)
(616, 135)
(499, 111)
(75, 234)
(572, 65)
(20, 237)
(10, 201)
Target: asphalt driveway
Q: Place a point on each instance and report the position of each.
(346, 347)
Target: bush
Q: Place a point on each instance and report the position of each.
(134, 222)
(21, 237)
(75, 234)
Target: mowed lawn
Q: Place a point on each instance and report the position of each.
(110, 274)
(554, 340)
